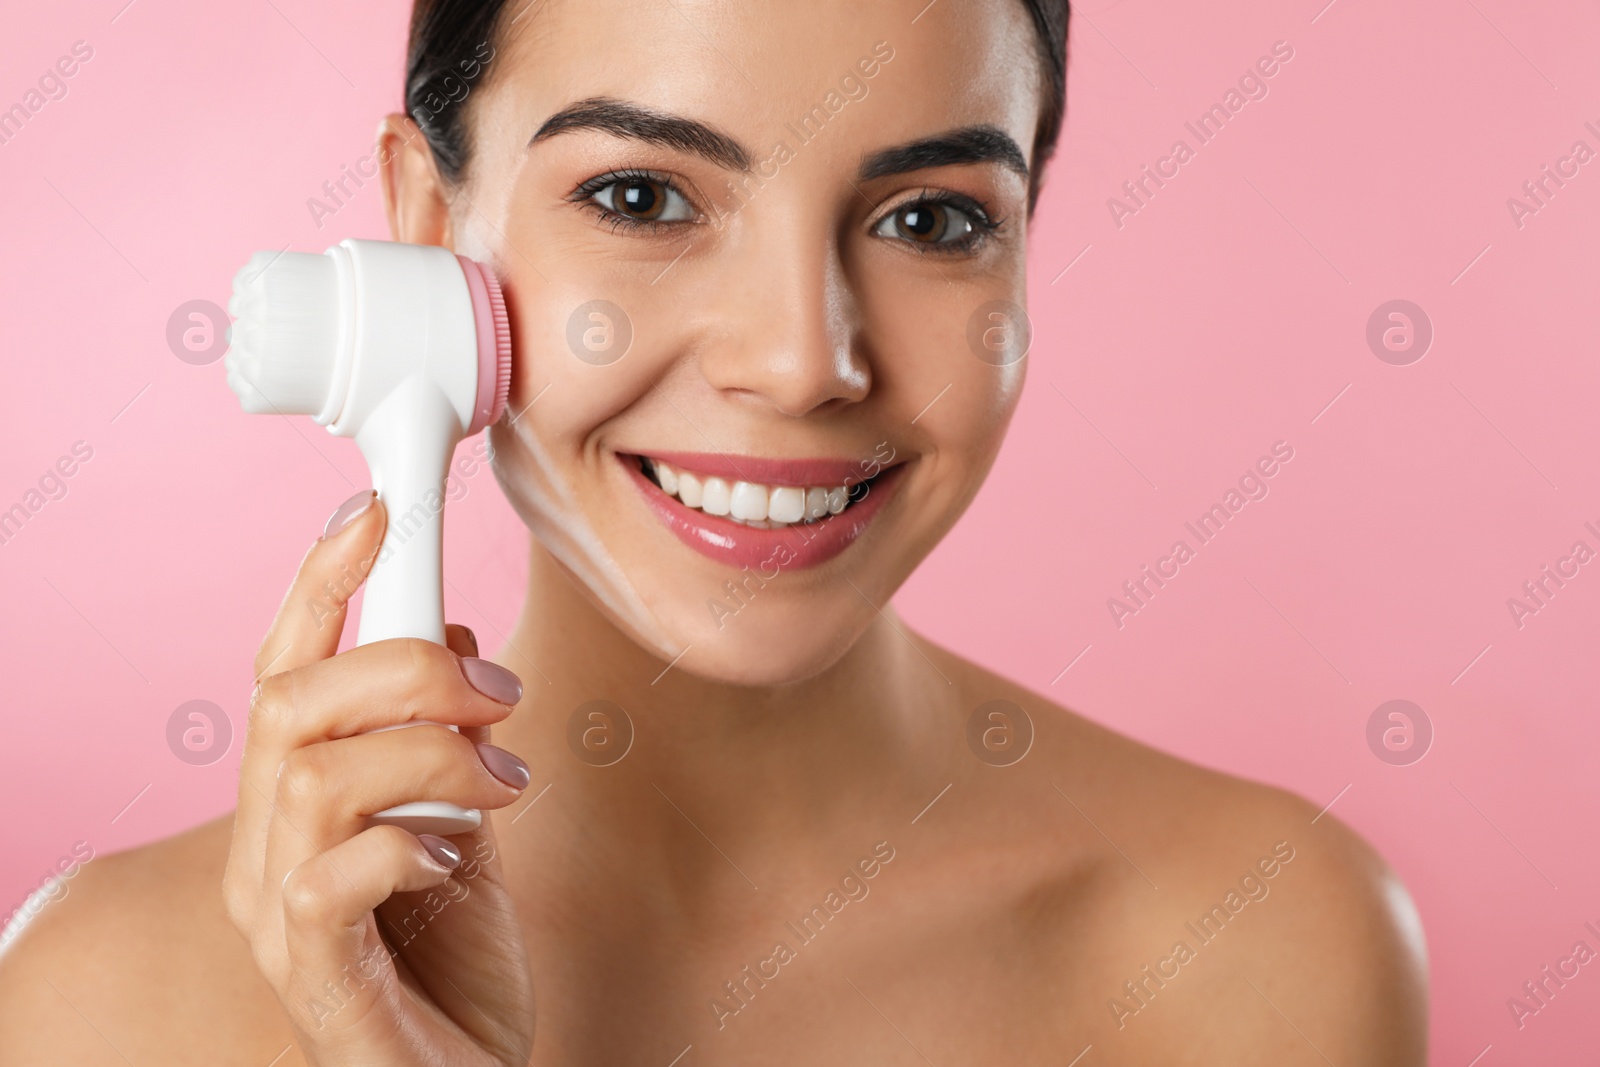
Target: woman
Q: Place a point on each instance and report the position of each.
(764, 265)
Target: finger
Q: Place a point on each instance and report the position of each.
(387, 683)
(460, 639)
(382, 684)
(326, 791)
(311, 617)
(463, 642)
(330, 935)
(305, 630)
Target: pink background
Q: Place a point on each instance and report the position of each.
(1224, 316)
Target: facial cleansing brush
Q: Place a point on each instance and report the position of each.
(407, 349)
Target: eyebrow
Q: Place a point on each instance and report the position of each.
(969, 144)
(653, 127)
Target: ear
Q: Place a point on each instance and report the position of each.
(414, 193)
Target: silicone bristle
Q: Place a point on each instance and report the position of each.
(502, 346)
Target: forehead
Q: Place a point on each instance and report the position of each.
(755, 68)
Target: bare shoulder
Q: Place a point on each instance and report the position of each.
(1236, 921)
(135, 960)
(1322, 952)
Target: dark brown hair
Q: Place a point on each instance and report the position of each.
(451, 38)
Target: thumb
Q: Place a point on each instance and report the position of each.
(311, 617)
(460, 639)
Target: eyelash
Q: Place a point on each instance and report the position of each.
(584, 196)
(984, 226)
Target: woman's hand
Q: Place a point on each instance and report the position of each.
(383, 947)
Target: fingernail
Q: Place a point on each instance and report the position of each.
(472, 637)
(348, 512)
(492, 680)
(504, 766)
(442, 851)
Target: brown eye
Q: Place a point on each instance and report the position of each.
(928, 222)
(641, 199)
(924, 223)
(638, 198)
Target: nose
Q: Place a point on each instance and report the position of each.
(787, 321)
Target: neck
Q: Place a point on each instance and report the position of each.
(822, 746)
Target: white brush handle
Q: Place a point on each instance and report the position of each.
(404, 347)
(408, 441)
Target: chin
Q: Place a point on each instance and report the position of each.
(774, 641)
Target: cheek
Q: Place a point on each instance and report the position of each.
(939, 373)
(584, 351)
(586, 347)
(576, 363)
(566, 511)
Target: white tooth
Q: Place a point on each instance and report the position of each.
(837, 499)
(787, 504)
(714, 497)
(689, 489)
(816, 503)
(748, 501)
(667, 477)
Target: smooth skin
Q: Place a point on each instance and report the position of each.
(600, 915)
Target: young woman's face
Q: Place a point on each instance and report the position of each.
(778, 248)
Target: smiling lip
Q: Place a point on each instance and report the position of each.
(737, 545)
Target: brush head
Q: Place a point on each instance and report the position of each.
(333, 335)
(494, 344)
(284, 342)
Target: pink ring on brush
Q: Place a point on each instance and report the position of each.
(494, 344)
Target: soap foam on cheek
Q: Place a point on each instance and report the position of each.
(522, 463)
(549, 507)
